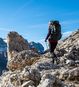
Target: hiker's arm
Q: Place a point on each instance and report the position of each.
(49, 32)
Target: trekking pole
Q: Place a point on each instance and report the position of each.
(47, 45)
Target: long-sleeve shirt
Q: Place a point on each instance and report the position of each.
(49, 32)
(55, 34)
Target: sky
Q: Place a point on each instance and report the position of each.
(30, 17)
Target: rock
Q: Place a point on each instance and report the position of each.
(44, 64)
(64, 75)
(22, 59)
(60, 52)
(71, 85)
(69, 49)
(49, 80)
(71, 75)
(74, 53)
(28, 84)
(5, 81)
(74, 74)
(28, 77)
(31, 74)
(70, 41)
(70, 62)
(16, 43)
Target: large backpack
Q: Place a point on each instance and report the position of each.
(55, 31)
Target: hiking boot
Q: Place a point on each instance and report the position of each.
(57, 61)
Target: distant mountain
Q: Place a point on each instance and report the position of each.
(3, 45)
(3, 55)
(38, 46)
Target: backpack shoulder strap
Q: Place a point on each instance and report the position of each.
(53, 29)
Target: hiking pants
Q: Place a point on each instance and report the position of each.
(52, 45)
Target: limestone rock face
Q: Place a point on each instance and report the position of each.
(16, 43)
(22, 59)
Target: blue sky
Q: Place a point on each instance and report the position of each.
(30, 17)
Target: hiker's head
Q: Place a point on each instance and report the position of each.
(54, 22)
(51, 22)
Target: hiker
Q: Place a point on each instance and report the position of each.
(54, 34)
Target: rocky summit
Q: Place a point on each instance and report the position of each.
(15, 43)
(28, 68)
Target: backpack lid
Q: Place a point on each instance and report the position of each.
(54, 21)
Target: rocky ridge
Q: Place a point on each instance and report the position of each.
(15, 43)
(29, 69)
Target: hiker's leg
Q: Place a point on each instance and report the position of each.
(54, 54)
(50, 47)
(54, 44)
(55, 58)
(51, 51)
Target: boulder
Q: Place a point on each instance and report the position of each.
(71, 75)
(74, 53)
(22, 59)
(70, 62)
(30, 74)
(28, 84)
(28, 77)
(49, 80)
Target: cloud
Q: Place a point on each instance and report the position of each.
(66, 34)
